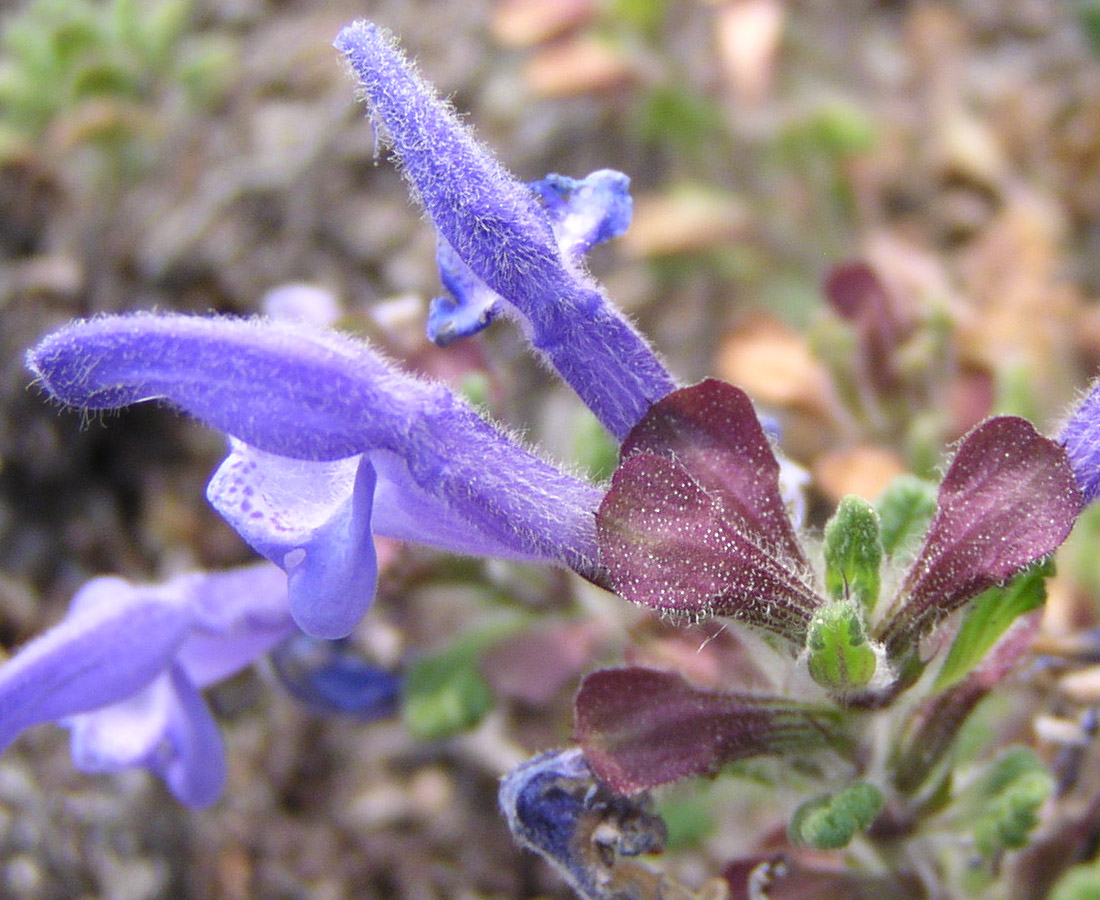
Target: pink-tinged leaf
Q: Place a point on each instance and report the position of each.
(642, 727)
(858, 294)
(667, 544)
(1008, 499)
(712, 430)
(534, 665)
(791, 876)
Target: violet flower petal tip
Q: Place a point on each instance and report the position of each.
(123, 670)
(500, 231)
(587, 211)
(1081, 438)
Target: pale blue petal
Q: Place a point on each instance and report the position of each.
(312, 519)
(165, 728)
(192, 761)
(471, 306)
(239, 616)
(124, 734)
(114, 642)
(586, 212)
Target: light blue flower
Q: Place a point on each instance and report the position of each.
(124, 668)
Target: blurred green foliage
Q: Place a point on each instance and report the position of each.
(445, 693)
(829, 822)
(80, 72)
(1008, 799)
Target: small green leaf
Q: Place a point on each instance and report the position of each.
(1079, 883)
(689, 821)
(829, 822)
(840, 657)
(445, 694)
(853, 552)
(593, 448)
(1009, 798)
(905, 509)
(989, 616)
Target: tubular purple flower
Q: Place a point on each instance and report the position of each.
(581, 214)
(1081, 438)
(331, 444)
(124, 668)
(497, 227)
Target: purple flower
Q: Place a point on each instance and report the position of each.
(124, 668)
(508, 246)
(329, 444)
(1081, 438)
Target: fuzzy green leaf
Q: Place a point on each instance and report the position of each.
(988, 616)
(1009, 797)
(905, 509)
(853, 552)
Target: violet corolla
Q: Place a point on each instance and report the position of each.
(508, 247)
(124, 668)
(329, 442)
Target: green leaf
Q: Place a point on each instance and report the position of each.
(1009, 798)
(689, 820)
(1079, 883)
(829, 822)
(1088, 15)
(988, 616)
(444, 693)
(840, 657)
(853, 552)
(905, 509)
(593, 448)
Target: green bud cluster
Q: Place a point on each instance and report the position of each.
(829, 822)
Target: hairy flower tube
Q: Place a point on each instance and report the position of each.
(124, 668)
(505, 245)
(329, 444)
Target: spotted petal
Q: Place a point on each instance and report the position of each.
(712, 430)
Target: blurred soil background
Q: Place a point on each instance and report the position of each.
(193, 156)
